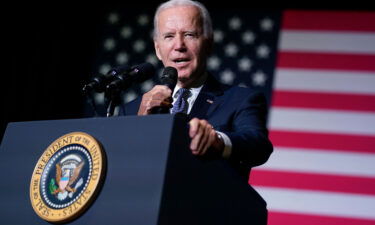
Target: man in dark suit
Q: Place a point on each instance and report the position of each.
(226, 121)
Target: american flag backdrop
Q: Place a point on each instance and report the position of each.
(317, 69)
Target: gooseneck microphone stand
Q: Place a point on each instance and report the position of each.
(114, 100)
(88, 93)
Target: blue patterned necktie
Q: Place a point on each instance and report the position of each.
(181, 104)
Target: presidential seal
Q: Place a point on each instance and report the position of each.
(67, 177)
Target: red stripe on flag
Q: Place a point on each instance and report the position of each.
(279, 218)
(312, 181)
(358, 62)
(326, 141)
(315, 100)
(329, 20)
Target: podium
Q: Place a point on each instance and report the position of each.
(151, 175)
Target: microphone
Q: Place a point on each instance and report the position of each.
(169, 79)
(99, 82)
(135, 74)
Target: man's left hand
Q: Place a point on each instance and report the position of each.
(203, 136)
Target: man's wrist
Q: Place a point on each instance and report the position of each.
(226, 146)
(220, 145)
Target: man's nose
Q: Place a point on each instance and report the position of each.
(180, 44)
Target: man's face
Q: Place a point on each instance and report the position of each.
(180, 42)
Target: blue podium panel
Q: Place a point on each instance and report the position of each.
(151, 177)
(136, 150)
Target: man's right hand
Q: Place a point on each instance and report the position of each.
(158, 96)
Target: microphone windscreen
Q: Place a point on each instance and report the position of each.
(169, 77)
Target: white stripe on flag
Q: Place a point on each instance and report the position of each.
(321, 161)
(330, 121)
(314, 41)
(319, 202)
(325, 81)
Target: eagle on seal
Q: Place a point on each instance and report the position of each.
(65, 179)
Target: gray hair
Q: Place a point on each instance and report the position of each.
(207, 24)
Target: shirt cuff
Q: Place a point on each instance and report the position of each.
(227, 145)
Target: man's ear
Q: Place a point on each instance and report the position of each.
(157, 50)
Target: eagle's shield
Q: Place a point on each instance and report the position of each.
(63, 182)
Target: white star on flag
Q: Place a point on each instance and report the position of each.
(126, 32)
(139, 46)
(244, 64)
(130, 96)
(235, 23)
(218, 36)
(104, 68)
(109, 44)
(151, 58)
(259, 78)
(263, 51)
(99, 98)
(122, 58)
(113, 18)
(147, 85)
(266, 24)
(143, 20)
(248, 37)
(227, 76)
(231, 50)
(213, 63)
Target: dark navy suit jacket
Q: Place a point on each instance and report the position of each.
(239, 113)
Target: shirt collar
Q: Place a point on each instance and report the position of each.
(194, 91)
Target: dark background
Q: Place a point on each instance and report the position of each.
(48, 54)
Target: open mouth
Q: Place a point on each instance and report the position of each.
(180, 60)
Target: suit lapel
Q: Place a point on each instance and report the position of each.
(208, 99)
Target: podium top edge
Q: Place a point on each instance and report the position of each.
(95, 118)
